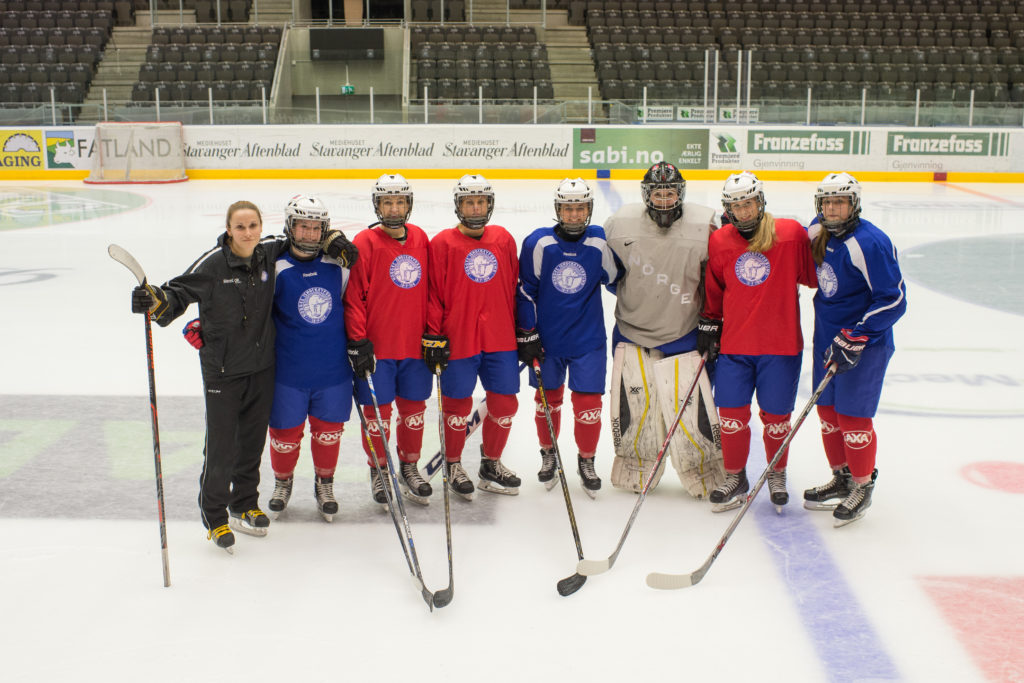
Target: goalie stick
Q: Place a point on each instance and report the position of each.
(393, 495)
(476, 418)
(445, 595)
(569, 584)
(120, 255)
(674, 581)
(592, 567)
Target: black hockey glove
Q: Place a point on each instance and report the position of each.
(436, 351)
(337, 246)
(845, 351)
(528, 345)
(149, 299)
(360, 355)
(709, 337)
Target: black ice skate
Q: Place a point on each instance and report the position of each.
(323, 489)
(588, 477)
(459, 482)
(777, 489)
(413, 486)
(252, 522)
(829, 495)
(729, 495)
(548, 468)
(281, 495)
(223, 538)
(497, 478)
(856, 503)
(380, 487)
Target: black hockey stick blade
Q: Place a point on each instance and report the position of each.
(443, 597)
(428, 597)
(570, 584)
(121, 255)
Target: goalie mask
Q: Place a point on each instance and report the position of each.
(392, 185)
(574, 193)
(659, 183)
(838, 185)
(305, 207)
(740, 187)
(473, 185)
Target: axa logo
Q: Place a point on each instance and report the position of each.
(777, 430)
(456, 422)
(857, 440)
(731, 426)
(828, 428)
(373, 427)
(414, 421)
(503, 422)
(589, 417)
(283, 446)
(554, 409)
(327, 438)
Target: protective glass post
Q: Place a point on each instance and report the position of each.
(157, 93)
(106, 117)
(318, 104)
(863, 105)
(970, 109)
(371, 104)
(426, 92)
(750, 64)
(442, 13)
(53, 106)
(263, 102)
(209, 103)
(480, 103)
(808, 121)
(535, 104)
(643, 106)
(917, 107)
(739, 81)
(714, 101)
(181, 12)
(544, 13)
(707, 70)
(590, 104)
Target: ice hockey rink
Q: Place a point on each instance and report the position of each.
(928, 586)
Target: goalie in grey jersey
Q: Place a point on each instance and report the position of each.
(662, 244)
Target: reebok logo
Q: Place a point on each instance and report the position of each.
(589, 417)
(857, 440)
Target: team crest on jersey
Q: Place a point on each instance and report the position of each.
(752, 268)
(828, 283)
(405, 271)
(568, 277)
(480, 265)
(315, 305)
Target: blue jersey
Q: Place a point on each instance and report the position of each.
(559, 290)
(860, 287)
(310, 323)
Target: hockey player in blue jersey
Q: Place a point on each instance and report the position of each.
(560, 322)
(861, 294)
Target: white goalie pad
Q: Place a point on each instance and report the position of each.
(637, 426)
(696, 446)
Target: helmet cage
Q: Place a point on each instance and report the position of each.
(663, 176)
(306, 207)
(570, 192)
(392, 185)
(740, 187)
(473, 185)
(838, 185)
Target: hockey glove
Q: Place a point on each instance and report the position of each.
(337, 246)
(436, 351)
(528, 345)
(709, 337)
(845, 351)
(360, 355)
(149, 299)
(193, 333)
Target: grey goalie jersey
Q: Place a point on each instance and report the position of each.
(658, 300)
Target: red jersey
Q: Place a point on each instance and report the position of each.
(755, 294)
(473, 290)
(386, 299)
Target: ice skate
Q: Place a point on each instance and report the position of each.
(281, 495)
(548, 468)
(380, 487)
(588, 477)
(413, 486)
(729, 495)
(855, 504)
(777, 489)
(459, 482)
(323, 489)
(252, 522)
(223, 538)
(829, 495)
(497, 478)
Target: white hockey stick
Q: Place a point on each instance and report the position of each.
(674, 581)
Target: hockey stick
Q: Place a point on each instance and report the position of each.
(673, 581)
(570, 584)
(120, 255)
(428, 597)
(591, 567)
(476, 418)
(445, 595)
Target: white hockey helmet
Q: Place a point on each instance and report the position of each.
(306, 207)
(473, 185)
(574, 191)
(392, 185)
(839, 185)
(741, 187)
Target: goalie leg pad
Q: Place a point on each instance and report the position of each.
(637, 428)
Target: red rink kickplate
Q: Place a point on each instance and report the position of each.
(988, 616)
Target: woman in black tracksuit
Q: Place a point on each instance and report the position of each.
(233, 283)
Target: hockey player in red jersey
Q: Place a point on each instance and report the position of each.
(471, 332)
(385, 318)
(752, 316)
